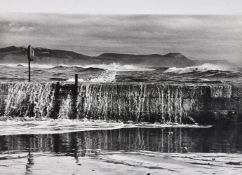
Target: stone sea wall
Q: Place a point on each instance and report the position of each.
(136, 102)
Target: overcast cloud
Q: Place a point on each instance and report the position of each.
(198, 37)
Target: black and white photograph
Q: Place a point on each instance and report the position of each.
(120, 87)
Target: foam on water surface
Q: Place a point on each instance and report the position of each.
(51, 126)
(120, 67)
(202, 68)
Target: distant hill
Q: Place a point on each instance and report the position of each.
(168, 60)
(17, 55)
(14, 54)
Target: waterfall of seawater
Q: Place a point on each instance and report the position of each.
(110, 101)
(29, 100)
(137, 102)
(221, 91)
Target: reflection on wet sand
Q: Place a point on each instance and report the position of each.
(167, 140)
(122, 151)
(30, 163)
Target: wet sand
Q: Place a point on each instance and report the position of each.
(115, 163)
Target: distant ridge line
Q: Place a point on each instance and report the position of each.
(13, 54)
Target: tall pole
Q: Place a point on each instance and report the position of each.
(29, 59)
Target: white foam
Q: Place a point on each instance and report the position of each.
(106, 76)
(119, 67)
(111, 67)
(9, 65)
(50, 126)
(16, 127)
(202, 68)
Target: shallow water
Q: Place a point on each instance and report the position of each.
(20, 126)
(121, 149)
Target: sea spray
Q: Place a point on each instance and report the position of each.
(106, 76)
(29, 99)
(119, 67)
(65, 107)
(201, 68)
(137, 102)
(221, 91)
(128, 102)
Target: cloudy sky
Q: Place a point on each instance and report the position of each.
(90, 27)
(124, 6)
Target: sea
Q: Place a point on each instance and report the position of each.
(83, 146)
(116, 72)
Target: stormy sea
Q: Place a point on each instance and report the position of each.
(116, 72)
(36, 140)
(141, 94)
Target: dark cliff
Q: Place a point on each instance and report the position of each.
(14, 54)
(168, 60)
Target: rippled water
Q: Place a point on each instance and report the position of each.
(111, 137)
(136, 150)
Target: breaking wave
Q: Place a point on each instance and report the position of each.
(202, 68)
(116, 72)
(106, 76)
(119, 67)
(112, 66)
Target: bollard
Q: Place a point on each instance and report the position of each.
(76, 80)
(29, 59)
(74, 95)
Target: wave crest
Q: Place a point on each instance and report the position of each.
(202, 68)
(119, 67)
(106, 76)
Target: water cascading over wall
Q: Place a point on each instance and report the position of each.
(138, 102)
(29, 100)
(134, 102)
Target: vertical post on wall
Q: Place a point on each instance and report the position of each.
(73, 114)
(76, 80)
(29, 58)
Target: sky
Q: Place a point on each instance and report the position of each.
(93, 27)
(123, 6)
